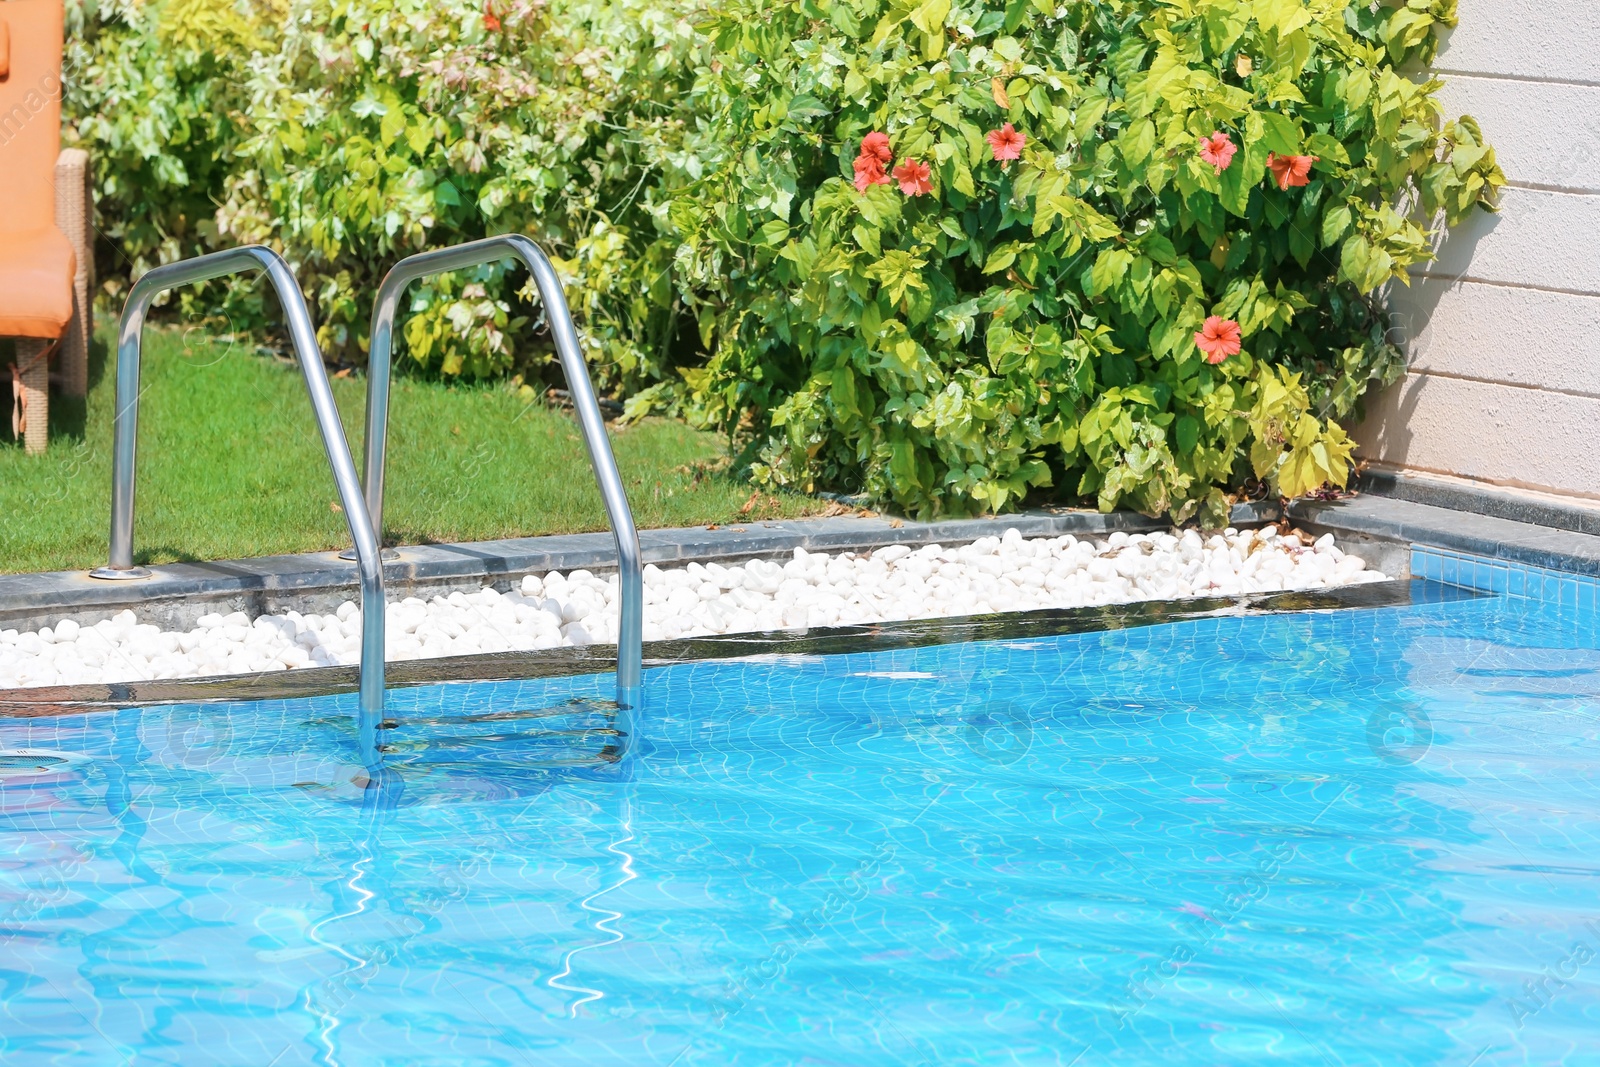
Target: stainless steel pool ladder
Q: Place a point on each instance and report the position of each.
(125, 439)
(630, 631)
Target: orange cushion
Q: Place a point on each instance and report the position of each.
(30, 114)
(36, 272)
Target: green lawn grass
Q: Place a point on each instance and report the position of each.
(231, 465)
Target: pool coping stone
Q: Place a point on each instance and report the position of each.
(1494, 501)
(1385, 519)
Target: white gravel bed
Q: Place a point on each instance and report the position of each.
(993, 574)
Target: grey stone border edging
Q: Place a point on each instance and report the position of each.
(1491, 501)
(1385, 520)
(180, 593)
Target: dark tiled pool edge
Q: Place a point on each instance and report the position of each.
(180, 593)
(599, 659)
(1493, 501)
(1408, 523)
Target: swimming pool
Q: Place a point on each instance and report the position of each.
(1366, 835)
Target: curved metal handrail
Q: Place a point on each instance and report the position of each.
(125, 438)
(630, 632)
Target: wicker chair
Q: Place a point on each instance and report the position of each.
(45, 267)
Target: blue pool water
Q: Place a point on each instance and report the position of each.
(1354, 837)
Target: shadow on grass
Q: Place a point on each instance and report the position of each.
(155, 555)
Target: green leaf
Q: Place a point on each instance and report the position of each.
(903, 465)
(1355, 259)
(1091, 109)
(419, 137)
(1242, 178)
(929, 16)
(1327, 147)
(1016, 11)
(1302, 243)
(843, 394)
(805, 106)
(1282, 134)
(844, 17)
(773, 233)
(1282, 17)
(1186, 431)
(1137, 140)
(1335, 222)
(1109, 268)
(392, 125)
(868, 238)
(1001, 258)
(1225, 24)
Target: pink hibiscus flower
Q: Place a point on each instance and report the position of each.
(869, 172)
(1218, 339)
(876, 145)
(1290, 170)
(1006, 142)
(913, 178)
(1217, 150)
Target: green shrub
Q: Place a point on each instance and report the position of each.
(1029, 326)
(154, 92)
(1021, 327)
(350, 134)
(379, 128)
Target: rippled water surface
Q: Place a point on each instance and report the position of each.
(1354, 837)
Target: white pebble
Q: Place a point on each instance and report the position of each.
(991, 574)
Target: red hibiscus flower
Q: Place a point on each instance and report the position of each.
(913, 178)
(1217, 150)
(1218, 339)
(1006, 142)
(1290, 170)
(876, 145)
(870, 161)
(869, 172)
(490, 21)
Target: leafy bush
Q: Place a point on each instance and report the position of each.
(1013, 326)
(154, 91)
(1031, 280)
(353, 133)
(378, 128)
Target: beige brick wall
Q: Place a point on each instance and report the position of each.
(1503, 330)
